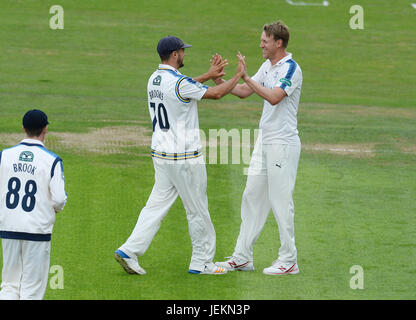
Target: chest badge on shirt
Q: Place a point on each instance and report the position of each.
(275, 75)
(26, 156)
(157, 81)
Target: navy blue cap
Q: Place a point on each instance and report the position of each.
(170, 43)
(35, 119)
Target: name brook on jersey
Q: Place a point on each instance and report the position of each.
(18, 167)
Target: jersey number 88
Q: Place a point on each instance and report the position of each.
(12, 196)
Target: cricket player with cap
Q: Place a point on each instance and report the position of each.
(178, 162)
(32, 191)
(273, 167)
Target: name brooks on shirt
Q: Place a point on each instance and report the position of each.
(156, 94)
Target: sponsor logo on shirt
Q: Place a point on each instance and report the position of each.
(286, 82)
(157, 81)
(26, 156)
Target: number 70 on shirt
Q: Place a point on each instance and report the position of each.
(160, 116)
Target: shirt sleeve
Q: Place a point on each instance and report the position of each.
(187, 89)
(292, 78)
(57, 186)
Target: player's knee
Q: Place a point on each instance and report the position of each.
(250, 194)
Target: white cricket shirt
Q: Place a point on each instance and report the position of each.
(278, 122)
(32, 189)
(172, 99)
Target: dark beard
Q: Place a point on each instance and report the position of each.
(180, 63)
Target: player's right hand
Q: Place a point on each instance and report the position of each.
(217, 66)
(241, 68)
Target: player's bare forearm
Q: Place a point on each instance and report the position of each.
(240, 90)
(224, 88)
(203, 77)
(273, 96)
(206, 76)
(231, 84)
(215, 71)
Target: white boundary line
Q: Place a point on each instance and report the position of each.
(324, 3)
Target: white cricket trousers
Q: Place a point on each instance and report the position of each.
(188, 179)
(270, 185)
(25, 269)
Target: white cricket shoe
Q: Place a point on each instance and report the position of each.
(210, 268)
(129, 264)
(280, 268)
(233, 263)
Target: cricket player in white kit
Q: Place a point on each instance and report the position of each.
(32, 191)
(273, 167)
(177, 159)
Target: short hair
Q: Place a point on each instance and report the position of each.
(165, 56)
(34, 132)
(278, 30)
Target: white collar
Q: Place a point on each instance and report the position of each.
(32, 141)
(167, 66)
(281, 61)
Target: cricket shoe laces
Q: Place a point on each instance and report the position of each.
(279, 268)
(233, 263)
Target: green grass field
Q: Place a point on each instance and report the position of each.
(355, 192)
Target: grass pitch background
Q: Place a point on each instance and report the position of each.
(355, 192)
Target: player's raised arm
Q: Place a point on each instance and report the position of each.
(224, 88)
(240, 90)
(273, 96)
(216, 69)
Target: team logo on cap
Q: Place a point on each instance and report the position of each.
(157, 81)
(26, 156)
